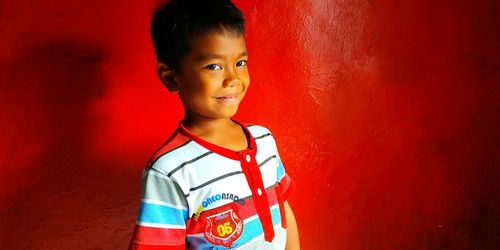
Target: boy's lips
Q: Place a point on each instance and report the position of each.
(227, 99)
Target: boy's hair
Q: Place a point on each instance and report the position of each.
(176, 23)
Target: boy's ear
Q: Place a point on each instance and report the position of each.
(167, 76)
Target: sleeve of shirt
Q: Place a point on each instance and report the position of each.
(286, 183)
(161, 223)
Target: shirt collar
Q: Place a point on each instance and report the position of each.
(235, 155)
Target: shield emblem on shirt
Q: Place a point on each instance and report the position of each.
(223, 226)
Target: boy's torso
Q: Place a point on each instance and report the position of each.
(221, 205)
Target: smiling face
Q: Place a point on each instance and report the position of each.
(213, 78)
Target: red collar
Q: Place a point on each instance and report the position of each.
(235, 155)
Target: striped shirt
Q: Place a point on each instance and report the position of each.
(197, 195)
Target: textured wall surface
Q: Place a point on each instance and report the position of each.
(386, 113)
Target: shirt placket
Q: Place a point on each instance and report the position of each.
(253, 176)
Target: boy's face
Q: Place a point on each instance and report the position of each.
(214, 77)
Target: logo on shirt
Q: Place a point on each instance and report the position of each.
(223, 226)
(215, 198)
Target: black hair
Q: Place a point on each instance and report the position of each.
(176, 23)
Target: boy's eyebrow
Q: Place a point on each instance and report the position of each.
(216, 56)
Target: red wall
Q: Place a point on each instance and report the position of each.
(386, 114)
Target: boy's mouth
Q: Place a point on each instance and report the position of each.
(227, 99)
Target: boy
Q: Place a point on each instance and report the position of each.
(215, 183)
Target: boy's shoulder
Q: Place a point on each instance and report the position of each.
(172, 153)
(258, 130)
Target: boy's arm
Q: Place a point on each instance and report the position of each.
(161, 223)
(292, 238)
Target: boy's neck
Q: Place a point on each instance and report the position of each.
(207, 126)
(222, 132)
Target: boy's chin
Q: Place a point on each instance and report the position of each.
(217, 116)
(227, 112)
(227, 115)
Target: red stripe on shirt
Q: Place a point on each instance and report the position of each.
(174, 141)
(135, 246)
(288, 186)
(154, 236)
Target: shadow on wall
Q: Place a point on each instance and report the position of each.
(51, 184)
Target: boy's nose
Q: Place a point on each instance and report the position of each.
(231, 79)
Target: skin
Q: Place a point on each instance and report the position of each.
(292, 239)
(211, 84)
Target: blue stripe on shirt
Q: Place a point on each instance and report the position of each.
(161, 214)
(281, 171)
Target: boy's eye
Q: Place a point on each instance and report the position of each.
(241, 63)
(214, 67)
